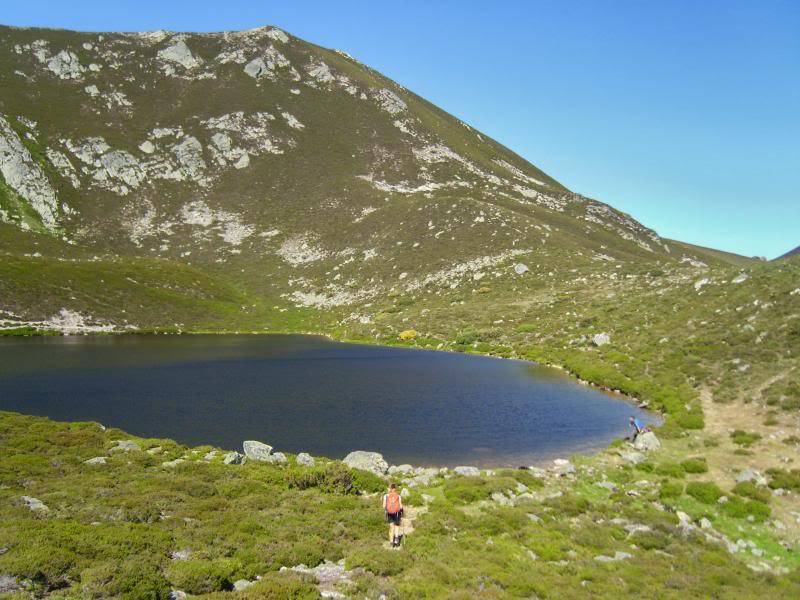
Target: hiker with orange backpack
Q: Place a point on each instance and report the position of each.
(393, 507)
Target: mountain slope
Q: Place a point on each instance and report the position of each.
(794, 252)
(257, 153)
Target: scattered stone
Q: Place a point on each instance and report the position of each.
(125, 446)
(705, 523)
(601, 339)
(181, 554)
(617, 557)
(534, 518)
(684, 522)
(634, 458)
(741, 278)
(171, 464)
(257, 451)
(241, 584)
(35, 504)
(751, 475)
(367, 461)
(211, 455)
(97, 460)
(233, 458)
(305, 459)
(562, 467)
(634, 528)
(277, 458)
(401, 470)
(501, 498)
(328, 575)
(155, 450)
(647, 441)
(521, 269)
(177, 595)
(8, 584)
(610, 486)
(467, 471)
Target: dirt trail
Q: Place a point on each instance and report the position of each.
(769, 452)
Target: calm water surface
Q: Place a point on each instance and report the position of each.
(305, 393)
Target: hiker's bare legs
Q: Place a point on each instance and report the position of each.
(391, 532)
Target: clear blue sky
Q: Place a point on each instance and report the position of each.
(683, 113)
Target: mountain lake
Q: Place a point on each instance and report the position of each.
(307, 393)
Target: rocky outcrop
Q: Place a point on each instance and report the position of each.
(179, 53)
(97, 460)
(646, 441)
(367, 461)
(24, 175)
(601, 339)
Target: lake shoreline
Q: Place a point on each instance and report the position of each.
(510, 452)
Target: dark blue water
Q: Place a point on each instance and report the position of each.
(304, 393)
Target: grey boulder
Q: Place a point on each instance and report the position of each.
(233, 458)
(367, 461)
(647, 441)
(305, 459)
(257, 451)
(35, 504)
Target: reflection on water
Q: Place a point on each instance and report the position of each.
(306, 393)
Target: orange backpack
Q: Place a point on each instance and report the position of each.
(392, 502)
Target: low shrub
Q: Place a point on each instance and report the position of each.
(788, 480)
(274, 586)
(201, 576)
(741, 509)
(466, 490)
(380, 562)
(131, 580)
(670, 489)
(695, 465)
(570, 505)
(333, 478)
(670, 470)
(744, 438)
(704, 491)
(748, 489)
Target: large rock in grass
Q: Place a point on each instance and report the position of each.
(257, 451)
(35, 505)
(367, 461)
(305, 459)
(8, 584)
(647, 441)
(751, 475)
(233, 458)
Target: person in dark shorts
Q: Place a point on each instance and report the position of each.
(393, 508)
